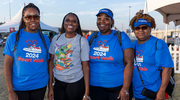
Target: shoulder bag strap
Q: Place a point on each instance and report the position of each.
(138, 66)
(58, 37)
(119, 37)
(80, 46)
(92, 38)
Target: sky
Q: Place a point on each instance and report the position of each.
(53, 11)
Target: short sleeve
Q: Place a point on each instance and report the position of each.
(163, 56)
(126, 42)
(84, 49)
(9, 47)
(52, 46)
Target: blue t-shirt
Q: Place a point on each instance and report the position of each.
(29, 70)
(106, 59)
(151, 56)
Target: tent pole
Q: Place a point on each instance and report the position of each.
(146, 8)
(166, 33)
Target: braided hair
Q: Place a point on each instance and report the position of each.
(23, 25)
(140, 15)
(78, 30)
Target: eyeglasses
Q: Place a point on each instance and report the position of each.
(29, 17)
(143, 28)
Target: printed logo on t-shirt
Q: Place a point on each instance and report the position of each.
(139, 60)
(101, 46)
(63, 56)
(32, 46)
(139, 56)
(32, 52)
(100, 51)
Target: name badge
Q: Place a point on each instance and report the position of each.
(139, 58)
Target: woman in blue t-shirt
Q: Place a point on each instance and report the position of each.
(151, 55)
(26, 58)
(111, 61)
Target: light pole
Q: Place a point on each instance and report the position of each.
(129, 20)
(9, 10)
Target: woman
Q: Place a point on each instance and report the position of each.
(152, 55)
(111, 62)
(26, 58)
(69, 62)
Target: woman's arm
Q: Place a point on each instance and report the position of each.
(50, 86)
(128, 70)
(166, 74)
(86, 69)
(8, 63)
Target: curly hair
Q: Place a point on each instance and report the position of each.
(140, 15)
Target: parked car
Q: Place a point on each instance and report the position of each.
(4, 41)
(1, 42)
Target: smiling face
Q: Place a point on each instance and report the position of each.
(143, 33)
(70, 24)
(33, 23)
(104, 23)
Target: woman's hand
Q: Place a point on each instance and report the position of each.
(85, 97)
(160, 95)
(127, 77)
(85, 67)
(50, 84)
(12, 95)
(166, 74)
(51, 94)
(123, 95)
(8, 63)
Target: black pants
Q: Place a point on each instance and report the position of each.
(101, 93)
(69, 91)
(37, 94)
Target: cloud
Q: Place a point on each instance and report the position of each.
(52, 14)
(122, 10)
(46, 2)
(87, 12)
(125, 4)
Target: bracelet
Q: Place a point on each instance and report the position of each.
(85, 96)
(127, 93)
(53, 83)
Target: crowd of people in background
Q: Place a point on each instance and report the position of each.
(104, 65)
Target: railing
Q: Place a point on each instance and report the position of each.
(175, 53)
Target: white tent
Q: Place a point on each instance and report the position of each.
(169, 9)
(14, 23)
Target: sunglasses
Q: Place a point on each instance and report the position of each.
(30, 17)
(143, 28)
